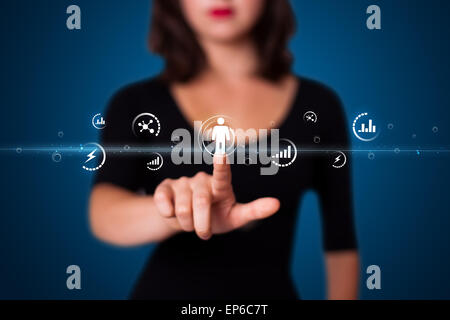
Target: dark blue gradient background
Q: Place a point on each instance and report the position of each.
(53, 79)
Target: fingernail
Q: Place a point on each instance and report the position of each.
(205, 237)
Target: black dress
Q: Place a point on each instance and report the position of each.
(252, 262)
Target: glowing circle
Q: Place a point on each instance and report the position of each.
(56, 157)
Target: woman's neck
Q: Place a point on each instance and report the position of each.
(230, 61)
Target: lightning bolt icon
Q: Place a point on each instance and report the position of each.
(337, 159)
(90, 156)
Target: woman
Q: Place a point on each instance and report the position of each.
(218, 237)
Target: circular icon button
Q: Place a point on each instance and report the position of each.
(95, 156)
(364, 128)
(146, 125)
(156, 162)
(339, 159)
(310, 117)
(97, 122)
(286, 155)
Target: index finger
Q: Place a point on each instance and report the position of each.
(221, 178)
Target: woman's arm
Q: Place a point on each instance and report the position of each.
(342, 274)
(120, 217)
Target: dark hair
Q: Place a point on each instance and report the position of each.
(173, 39)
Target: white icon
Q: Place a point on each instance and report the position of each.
(98, 122)
(216, 136)
(90, 156)
(310, 116)
(220, 134)
(367, 131)
(156, 162)
(371, 128)
(339, 160)
(287, 154)
(146, 124)
(95, 151)
(284, 154)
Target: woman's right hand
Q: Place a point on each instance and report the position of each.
(207, 204)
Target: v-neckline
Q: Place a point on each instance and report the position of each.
(288, 115)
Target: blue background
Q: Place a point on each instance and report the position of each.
(53, 80)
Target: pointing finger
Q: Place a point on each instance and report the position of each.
(221, 180)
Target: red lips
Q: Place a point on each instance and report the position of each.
(221, 13)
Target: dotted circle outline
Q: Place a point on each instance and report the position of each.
(146, 114)
(160, 166)
(94, 125)
(104, 157)
(345, 160)
(354, 128)
(315, 115)
(290, 162)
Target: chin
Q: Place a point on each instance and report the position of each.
(226, 35)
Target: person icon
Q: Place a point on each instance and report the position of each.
(220, 134)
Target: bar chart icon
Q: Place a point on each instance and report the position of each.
(156, 162)
(98, 122)
(370, 129)
(364, 127)
(284, 154)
